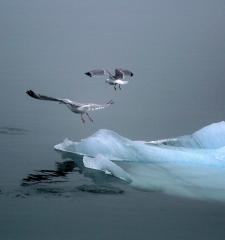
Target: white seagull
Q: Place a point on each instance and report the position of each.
(116, 79)
(81, 108)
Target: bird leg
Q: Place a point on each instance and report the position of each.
(82, 119)
(120, 87)
(89, 117)
(115, 87)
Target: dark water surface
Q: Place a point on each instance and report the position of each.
(176, 50)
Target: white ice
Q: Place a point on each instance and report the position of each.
(192, 165)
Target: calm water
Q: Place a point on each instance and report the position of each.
(176, 50)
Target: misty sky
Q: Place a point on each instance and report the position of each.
(175, 48)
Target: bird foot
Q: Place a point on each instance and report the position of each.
(82, 119)
(89, 118)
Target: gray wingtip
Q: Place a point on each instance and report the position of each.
(32, 94)
(88, 74)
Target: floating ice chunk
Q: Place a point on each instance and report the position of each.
(115, 147)
(191, 165)
(103, 164)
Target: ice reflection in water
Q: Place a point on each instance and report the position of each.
(50, 176)
(61, 182)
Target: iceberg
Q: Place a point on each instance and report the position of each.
(191, 165)
(115, 147)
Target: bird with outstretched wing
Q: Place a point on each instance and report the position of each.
(116, 79)
(80, 108)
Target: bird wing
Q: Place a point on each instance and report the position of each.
(43, 97)
(119, 74)
(97, 72)
(92, 106)
(125, 72)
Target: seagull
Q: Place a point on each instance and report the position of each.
(81, 108)
(116, 79)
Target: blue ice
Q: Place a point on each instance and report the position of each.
(191, 165)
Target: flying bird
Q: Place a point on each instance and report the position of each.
(116, 79)
(80, 108)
